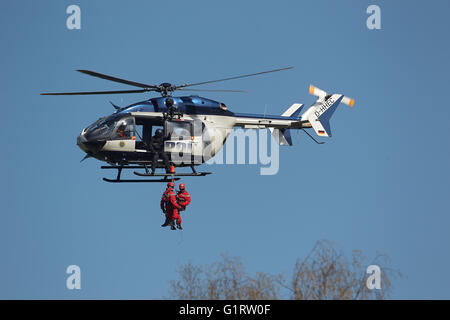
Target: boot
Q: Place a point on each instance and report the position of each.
(172, 225)
(179, 227)
(166, 223)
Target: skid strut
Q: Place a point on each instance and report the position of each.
(119, 172)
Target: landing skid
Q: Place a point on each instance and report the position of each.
(137, 180)
(166, 177)
(197, 174)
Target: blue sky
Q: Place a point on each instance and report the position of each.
(380, 184)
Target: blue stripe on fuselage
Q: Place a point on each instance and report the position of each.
(196, 105)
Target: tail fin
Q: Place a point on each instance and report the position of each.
(283, 136)
(320, 112)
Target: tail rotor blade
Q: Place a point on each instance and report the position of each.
(348, 101)
(316, 91)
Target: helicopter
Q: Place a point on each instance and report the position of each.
(190, 124)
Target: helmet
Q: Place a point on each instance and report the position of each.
(181, 186)
(158, 133)
(169, 102)
(170, 185)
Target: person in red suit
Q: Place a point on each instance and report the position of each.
(183, 199)
(170, 206)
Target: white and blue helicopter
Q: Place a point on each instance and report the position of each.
(192, 126)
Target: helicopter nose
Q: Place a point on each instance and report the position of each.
(81, 142)
(89, 146)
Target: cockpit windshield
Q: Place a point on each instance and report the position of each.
(111, 128)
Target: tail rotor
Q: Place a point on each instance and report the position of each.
(321, 111)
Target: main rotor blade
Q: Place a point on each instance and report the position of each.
(232, 78)
(93, 92)
(111, 78)
(207, 90)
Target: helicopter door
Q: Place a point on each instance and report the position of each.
(182, 142)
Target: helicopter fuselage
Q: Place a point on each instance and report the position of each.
(194, 128)
(201, 128)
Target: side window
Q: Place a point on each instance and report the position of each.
(178, 130)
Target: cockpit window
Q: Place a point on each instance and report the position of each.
(112, 128)
(124, 129)
(95, 123)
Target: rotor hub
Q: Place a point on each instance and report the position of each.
(165, 89)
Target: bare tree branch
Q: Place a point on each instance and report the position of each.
(325, 273)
